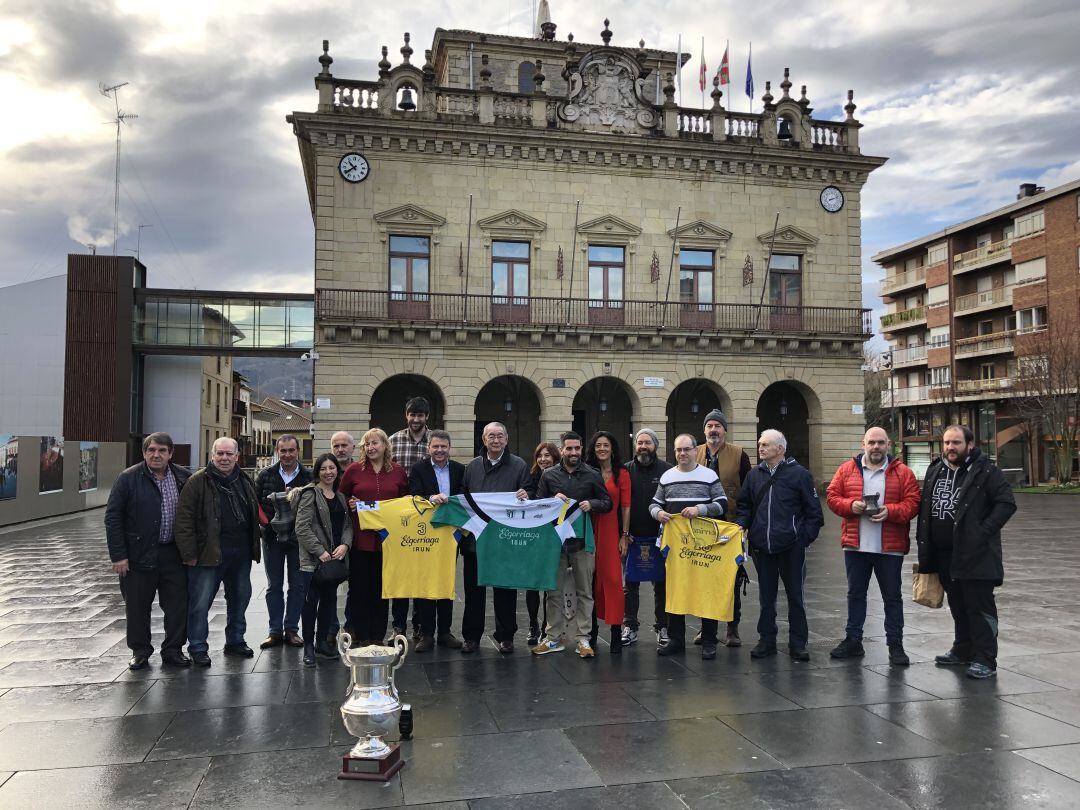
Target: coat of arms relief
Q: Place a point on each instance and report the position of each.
(606, 95)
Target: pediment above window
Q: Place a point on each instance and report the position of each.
(408, 219)
(609, 226)
(701, 235)
(512, 221)
(788, 237)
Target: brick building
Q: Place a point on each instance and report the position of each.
(531, 230)
(968, 306)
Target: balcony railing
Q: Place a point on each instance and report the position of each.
(453, 309)
(985, 344)
(904, 396)
(912, 354)
(997, 297)
(898, 281)
(984, 254)
(908, 317)
(982, 386)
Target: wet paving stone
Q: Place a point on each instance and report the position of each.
(492, 731)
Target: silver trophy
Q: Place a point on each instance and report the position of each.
(372, 708)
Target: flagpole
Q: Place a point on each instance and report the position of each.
(749, 69)
(678, 68)
(701, 73)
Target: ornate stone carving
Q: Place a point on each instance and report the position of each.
(607, 95)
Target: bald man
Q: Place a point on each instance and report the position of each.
(877, 496)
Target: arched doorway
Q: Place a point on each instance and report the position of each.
(783, 407)
(515, 402)
(687, 406)
(388, 401)
(605, 403)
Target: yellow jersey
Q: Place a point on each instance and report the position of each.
(702, 557)
(419, 560)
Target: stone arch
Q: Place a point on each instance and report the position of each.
(389, 398)
(687, 405)
(792, 407)
(517, 403)
(606, 403)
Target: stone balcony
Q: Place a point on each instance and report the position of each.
(455, 312)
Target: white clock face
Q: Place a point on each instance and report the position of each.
(354, 167)
(832, 199)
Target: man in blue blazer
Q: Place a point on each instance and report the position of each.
(436, 478)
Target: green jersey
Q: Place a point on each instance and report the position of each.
(517, 542)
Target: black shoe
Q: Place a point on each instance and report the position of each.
(309, 655)
(799, 653)
(708, 652)
(848, 648)
(200, 659)
(241, 650)
(763, 649)
(534, 635)
(616, 639)
(323, 649)
(176, 659)
(897, 656)
(138, 661)
(950, 659)
(671, 648)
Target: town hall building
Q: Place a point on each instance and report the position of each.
(530, 230)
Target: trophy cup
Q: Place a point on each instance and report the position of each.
(872, 506)
(372, 708)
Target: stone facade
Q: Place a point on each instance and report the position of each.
(651, 180)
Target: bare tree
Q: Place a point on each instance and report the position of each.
(876, 370)
(1047, 385)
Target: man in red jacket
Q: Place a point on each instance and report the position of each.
(877, 496)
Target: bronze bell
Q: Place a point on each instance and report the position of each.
(408, 104)
(784, 133)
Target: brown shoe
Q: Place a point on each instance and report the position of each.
(469, 647)
(449, 640)
(292, 638)
(732, 638)
(273, 640)
(506, 647)
(425, 644)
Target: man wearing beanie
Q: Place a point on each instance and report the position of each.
(731, 463)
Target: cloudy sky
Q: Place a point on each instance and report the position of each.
(967, 98)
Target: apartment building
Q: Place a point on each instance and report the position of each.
(967, 306)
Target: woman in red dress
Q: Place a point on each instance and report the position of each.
(375, 477)
(612, 537)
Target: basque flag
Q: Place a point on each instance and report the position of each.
(724, 73)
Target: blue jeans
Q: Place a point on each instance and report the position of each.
(789, 566)
(887, 568)
(320, 607)
(284, 611)
(234, 572)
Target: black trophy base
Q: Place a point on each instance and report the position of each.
(379, 769)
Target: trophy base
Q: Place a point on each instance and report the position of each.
(372, 769)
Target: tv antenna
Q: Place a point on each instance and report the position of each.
(121, 116)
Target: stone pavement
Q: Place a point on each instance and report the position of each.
(77, 729)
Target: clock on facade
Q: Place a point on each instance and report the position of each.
(832, 199)
(354, 167)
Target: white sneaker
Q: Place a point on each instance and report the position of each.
(584, 649)
(547, 646)
(662, 637)
(629, 637)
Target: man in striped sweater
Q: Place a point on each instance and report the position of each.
(692, 491)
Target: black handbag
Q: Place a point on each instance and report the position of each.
(331, 572)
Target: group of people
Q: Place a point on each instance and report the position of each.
(183, 536)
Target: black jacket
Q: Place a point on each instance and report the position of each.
(984, 505)
(583, 484)
(269, 482)
(422, 479)
(789, 512)
(643, 483)
(133, 516)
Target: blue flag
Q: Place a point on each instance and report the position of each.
(749, 77)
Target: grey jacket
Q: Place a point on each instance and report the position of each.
(313, 526)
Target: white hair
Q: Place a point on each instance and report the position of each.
(776, 437)
(217, 441)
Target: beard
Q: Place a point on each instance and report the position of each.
(645, 458)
